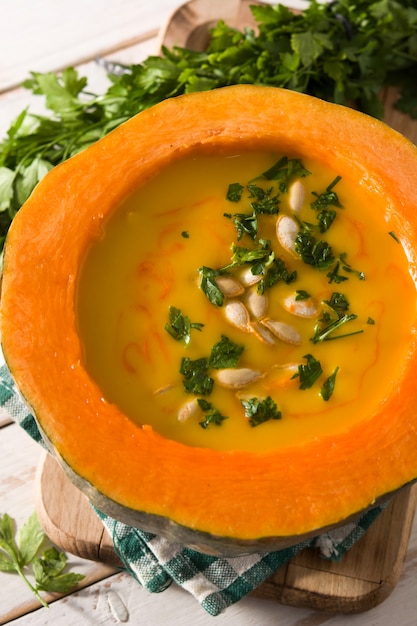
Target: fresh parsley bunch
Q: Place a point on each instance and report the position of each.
(342, 51)
(18, 555)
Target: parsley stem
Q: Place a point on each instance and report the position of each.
(31, 587)
(323, 335)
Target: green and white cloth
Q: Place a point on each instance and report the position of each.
(155, 563)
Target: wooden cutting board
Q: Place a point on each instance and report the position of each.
(366, 574)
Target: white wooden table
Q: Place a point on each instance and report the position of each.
(49, 35)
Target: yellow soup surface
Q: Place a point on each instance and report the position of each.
(306, 352)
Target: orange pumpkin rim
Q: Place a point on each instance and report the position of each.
(297, 490)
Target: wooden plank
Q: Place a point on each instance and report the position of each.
(54, 35)
(19, 456)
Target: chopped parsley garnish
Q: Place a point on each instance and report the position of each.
(234, 192)
(327, 198)
(246, 224)
(348, 268)
(274, 273)
(259, 411)
(185, 234)
(326, 333)
(196, 378)
(315, 252)
(225, 353)
(213, 415)
(209, 286)
(245, 256)
(394, 236)
(308, 373)
(338, 302)
(328, 386)
(325, 219)
(302, 295)
(284, 171)
(264, 203)
(179, 326)
(334, 276)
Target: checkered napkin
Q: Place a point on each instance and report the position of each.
(155, 563)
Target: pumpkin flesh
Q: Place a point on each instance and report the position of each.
(132, 471)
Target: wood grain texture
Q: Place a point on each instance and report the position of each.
(362, 579)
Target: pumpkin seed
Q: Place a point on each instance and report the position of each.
(296, 195)
(189, 409)
(236, 378)
(262, 333)
(287, 231)
(284, 332)
(281, 376)
(230, 287)
(248, 279)
(257, 303)
(301, 308)
(237, 314)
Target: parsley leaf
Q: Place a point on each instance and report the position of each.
(314, 251)
(209, 286)
(225, 353)
(264, 203)
(234, 192)
(259, 411)
(213, 415)
(327, 198)
(274, 273)
(179, 326)
(18, 555)
(196, 379)
(285, 170)
(246, 223)
(328, 386)
(308, 373)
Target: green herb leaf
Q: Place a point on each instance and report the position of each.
(314, 251)
(328, 386)
(16, 556)
(196, 378)
(31, 537)
(301, 295)
(179, 326)
(246, 224)
(209, 286)
(275, 272)
(308, 373)
(334, 276)
(325, 219)
(326, 333)
(213, 415)
(234, 192)
(338, 302)
(259, 411)
(264, 202)
(327, 198)
(225, 353)
(49, 576)
(285, 170)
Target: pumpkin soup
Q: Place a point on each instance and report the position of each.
(246, 300)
